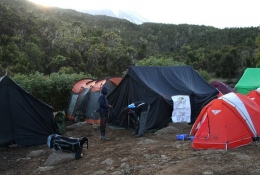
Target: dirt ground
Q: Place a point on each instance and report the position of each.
(154, 153)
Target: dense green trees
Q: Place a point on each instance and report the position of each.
(47, 40)
(57, 43)
(54, 89)
(257, 56)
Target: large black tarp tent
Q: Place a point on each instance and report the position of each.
(156, 85)
(24, 119)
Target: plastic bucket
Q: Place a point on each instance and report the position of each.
(191, 138)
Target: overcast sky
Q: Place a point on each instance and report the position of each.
(217, 13)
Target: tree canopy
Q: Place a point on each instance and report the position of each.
(39, 42)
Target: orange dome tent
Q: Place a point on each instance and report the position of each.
(230, 121)
(84, 98)
(79, 88)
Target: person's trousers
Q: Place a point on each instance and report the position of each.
(142, 121)
(103, 123)
(136, 124)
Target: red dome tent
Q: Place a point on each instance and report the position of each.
(255, 96)
(230, 121)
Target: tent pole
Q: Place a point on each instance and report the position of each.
(128, 118)
(226, 145)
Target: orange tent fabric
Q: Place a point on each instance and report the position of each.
(92, 104)
(230, 121)
(77, 87)
(84, 96)
(76, 92)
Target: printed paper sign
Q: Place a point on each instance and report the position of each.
(181, 109)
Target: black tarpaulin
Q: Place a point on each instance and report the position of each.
(25, 120)
(156, 85)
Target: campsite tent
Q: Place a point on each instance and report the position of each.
(78, 96)
(85, 101)
(25, 120)
(255, 96)
(92, 103)
(156, 85)
(222, 87)
(79, 85)
(227, 122)
(249, 81)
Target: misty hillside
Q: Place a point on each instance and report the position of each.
(123, 14)
(36, 38)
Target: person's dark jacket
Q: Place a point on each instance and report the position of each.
(140, 106)
(102, 101)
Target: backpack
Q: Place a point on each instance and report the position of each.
(68, 144)
(59, 120)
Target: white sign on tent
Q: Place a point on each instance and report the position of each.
(181, 109)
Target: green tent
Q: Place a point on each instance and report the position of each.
(250, 80)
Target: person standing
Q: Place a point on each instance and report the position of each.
(138, 111)
(103, 109)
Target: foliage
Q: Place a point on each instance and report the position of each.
(257, 56)
(152, 61)
(169, 62)
(48, 40)
(47, 49)
(204, 74)
(54, 89)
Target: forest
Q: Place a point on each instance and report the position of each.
(63, 45)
